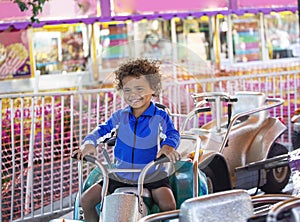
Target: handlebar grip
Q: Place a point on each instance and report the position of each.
(210, 99)
(202, 110)
(87, 158)
(232, 99)
(90, 158)
(162, 159)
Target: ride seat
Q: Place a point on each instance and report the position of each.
(232, 205)
(249, 101)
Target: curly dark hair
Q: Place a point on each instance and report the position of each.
(137, 68)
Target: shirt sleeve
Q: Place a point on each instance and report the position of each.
(103, 131)
(171, 135)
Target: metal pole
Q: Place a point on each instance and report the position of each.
(28, 197)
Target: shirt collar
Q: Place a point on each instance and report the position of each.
(148, 112)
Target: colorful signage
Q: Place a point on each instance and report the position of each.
(246, 40)
(14, 54)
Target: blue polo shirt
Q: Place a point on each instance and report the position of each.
(137, 138)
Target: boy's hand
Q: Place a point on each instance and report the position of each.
(170, 152)
(84, 150)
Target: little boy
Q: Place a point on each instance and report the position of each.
(138, 125)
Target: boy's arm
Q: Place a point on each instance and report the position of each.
(171, 134)
(99, 134)
(171, 141)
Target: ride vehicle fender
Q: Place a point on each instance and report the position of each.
(267, 135)
(217, 164)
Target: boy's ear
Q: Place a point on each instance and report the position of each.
(155, 93)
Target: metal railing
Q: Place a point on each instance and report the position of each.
(40, 131)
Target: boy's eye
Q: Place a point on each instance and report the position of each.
(126, 90)
(135, 90)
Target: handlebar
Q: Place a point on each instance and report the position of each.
(230, 100)
(213, 96)
(275, 102)
(143, 172)
(210, 94)
(217, 98)
(106, 172)
(192, 113)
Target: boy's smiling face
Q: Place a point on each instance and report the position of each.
(137, 93)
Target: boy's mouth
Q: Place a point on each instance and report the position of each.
(133, 101)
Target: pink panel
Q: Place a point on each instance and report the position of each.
(265, 3)
(53, 9)
(10, 11)
(130, 6)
